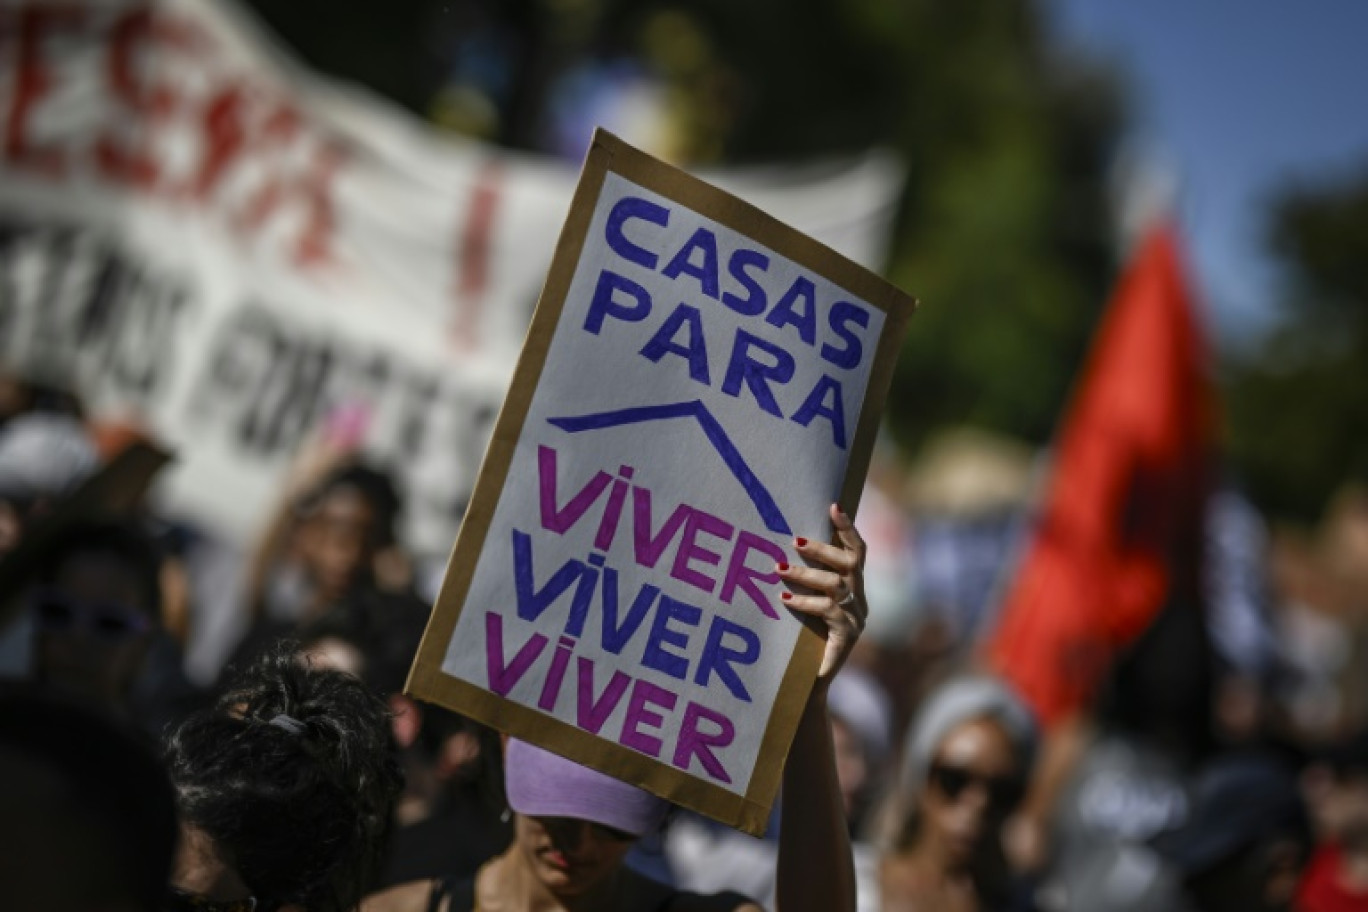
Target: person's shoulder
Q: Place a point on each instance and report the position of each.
(415, 896)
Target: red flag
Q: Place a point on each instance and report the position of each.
(1120, 525)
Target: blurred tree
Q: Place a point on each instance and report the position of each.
(1297, 404)
(380, 45)
(1003, 229)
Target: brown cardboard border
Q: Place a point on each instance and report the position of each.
(427, 681)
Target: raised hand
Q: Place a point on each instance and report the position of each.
(833, 591)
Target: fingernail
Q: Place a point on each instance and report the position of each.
(783, 568)
(802, 542)
(786, 595)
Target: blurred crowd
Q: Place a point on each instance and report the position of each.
(187, 722)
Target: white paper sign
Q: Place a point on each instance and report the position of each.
(697, 382)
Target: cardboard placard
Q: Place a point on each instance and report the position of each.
(699, 383)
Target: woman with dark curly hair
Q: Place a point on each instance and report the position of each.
(286, 787)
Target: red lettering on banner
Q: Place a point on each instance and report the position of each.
(310, 189)
(315, 190)
(255, 159)
(473, 254)
(134, 163)
(34, 79)
(224, 139)
(237, 125)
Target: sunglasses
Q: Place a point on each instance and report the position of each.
(56, 613)
(1004, 792)
(181, 901)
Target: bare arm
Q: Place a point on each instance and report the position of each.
(409, 897)
(311, 464)
(1027, 837)
(816, 868)
(266, 552)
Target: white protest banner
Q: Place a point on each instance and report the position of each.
(699, 383)
(202, 233)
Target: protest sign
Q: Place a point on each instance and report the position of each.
(699, 383)
(199, 232)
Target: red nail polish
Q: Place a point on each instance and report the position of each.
(802, 542)
(783, 568)
(786, 595)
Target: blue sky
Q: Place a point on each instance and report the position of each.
(1237, 97)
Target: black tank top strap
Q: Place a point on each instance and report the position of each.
(461, 892)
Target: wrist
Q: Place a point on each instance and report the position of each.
(817, 699)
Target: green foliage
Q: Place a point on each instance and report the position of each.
(376, 44)
(1297, 405)
(1005, 231)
